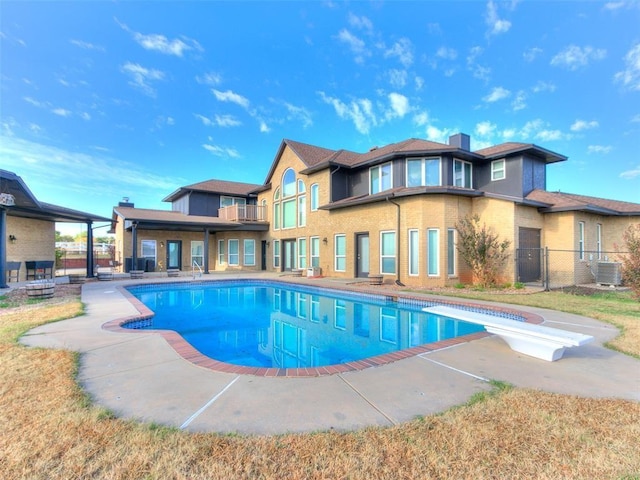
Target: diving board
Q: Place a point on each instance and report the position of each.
(538, 341)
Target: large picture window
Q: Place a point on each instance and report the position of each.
(340, 253)
(315, 251)
(380, 178)
(315, 200)
(197, 252)
(433, 252)
(414, 259)
(423, 172)
(388, 252)
(302, 253)
(230, 201)
(234, 254)
(290, 209)
(222, 252)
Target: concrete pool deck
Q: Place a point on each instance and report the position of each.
(140, 376)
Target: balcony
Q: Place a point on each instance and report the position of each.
(243, 213)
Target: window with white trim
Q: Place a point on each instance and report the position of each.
(291, 209)
(451, 252)
(276, 209)
(433, 252)
(380, 178)
(498, 170)
(148, 249)
(599, 240)
(197, 252)
(315, 251)
(249, 252)
(315, 198)
(581, 240)
(340, 253)
(222, 255)
(423, 172)
(414, 251)
(276, 253)
(302, 253)
(226, 201)
(462, 174)
(234, 254)
(388, 252)
(302, 210)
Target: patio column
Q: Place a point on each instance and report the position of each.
(3, 248)
(206, 250)
(90, 260)
(134, 247)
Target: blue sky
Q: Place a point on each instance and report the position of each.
(105, 100)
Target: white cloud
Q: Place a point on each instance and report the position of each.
(209, 78)
(479, 71)
(264, 128)
(397, 78)
(421, 119)
(599, 149)
(359, 111)
(531, 54)
(34, 102)
(221, 151)
(227, 121)
(544, 87)
(549, 135)
(419, 81)
(630, 76)
(61, 112)
(207, 122)
(447, 53)
(496, 24)
(361, 23)
(436, 134)
(141, 77)
(232, 97)
(531, 127)
(580, 125)
(631, 174)
(87, 45)
(403, 50)
(509, 133)
(85, 116)
(498, 93)
(399, 105)
(299, 113)
(355, 44)
(485, 129)
(520, 102)
(162, 44)
(574, 57)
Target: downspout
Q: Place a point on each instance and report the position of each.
(398, 282)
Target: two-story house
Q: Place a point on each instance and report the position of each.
(392, 211)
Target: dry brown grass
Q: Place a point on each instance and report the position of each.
(48, 430)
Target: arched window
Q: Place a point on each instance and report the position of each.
(290, 208)
(289, 183)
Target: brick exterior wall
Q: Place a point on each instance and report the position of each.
(35, 240)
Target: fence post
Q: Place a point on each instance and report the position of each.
(546, 269)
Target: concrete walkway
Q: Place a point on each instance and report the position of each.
(139, 376)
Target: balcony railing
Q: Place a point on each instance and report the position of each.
(243, 213)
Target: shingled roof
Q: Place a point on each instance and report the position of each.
(214, 186)
(560, 202)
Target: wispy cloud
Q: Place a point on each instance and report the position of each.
(485, 129)
(496, 94)
(599, 149)
(86, 45)
(630, 76)
(631, 174)
(221, 151)
(61, 112)
(531, 54)
(574, 57)
(361, 23)
(355, 44)
(520, 101)
(480, 72)
(580, 125)
(399, 106)
(297, 113)
(543, 87)
(494, 22)
(210, 78)
(397, 78)
(142, 77)
(402, 50)
(160, 43)
(359, 111)
(230, 96)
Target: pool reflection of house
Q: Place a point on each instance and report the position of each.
(392, 211)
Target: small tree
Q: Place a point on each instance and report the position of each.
(481, 249)
(631, 259)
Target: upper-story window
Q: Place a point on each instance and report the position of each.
(462, 174)
(423, 172)
(230, 201)
(289, 183)
(315, 199)
(498, 170)
(380, 178)
(290, 209)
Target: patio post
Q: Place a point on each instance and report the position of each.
(134, 249)
(3, 248)
(206, 250)
(90, 269)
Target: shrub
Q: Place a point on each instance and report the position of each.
(631, 259)
(481, 249)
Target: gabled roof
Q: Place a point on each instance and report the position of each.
(563, 202)
(222, 187)
(511, 148)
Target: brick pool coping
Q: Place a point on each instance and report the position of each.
(186, 350)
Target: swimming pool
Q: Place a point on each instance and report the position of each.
(268, 324)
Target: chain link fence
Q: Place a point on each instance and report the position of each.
(553, 269)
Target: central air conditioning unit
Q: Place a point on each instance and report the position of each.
(609, 273)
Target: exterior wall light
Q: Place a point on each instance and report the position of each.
(12, 238)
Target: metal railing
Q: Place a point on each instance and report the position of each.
(195, 266)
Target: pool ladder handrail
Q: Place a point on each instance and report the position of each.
(195, 265)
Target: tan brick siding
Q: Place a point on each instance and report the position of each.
(35, 240)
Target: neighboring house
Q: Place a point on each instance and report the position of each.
(392, 211)
(27, 228)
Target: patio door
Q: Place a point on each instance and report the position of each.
(529, 255)
(174, 254)
(362, 254)
(288, 255)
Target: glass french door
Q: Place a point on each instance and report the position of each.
(174, 254)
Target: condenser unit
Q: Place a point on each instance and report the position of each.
(609, 273)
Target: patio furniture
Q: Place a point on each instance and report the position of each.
(13, 271)
(39, 269)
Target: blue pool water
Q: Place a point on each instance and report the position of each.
(275, 325)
